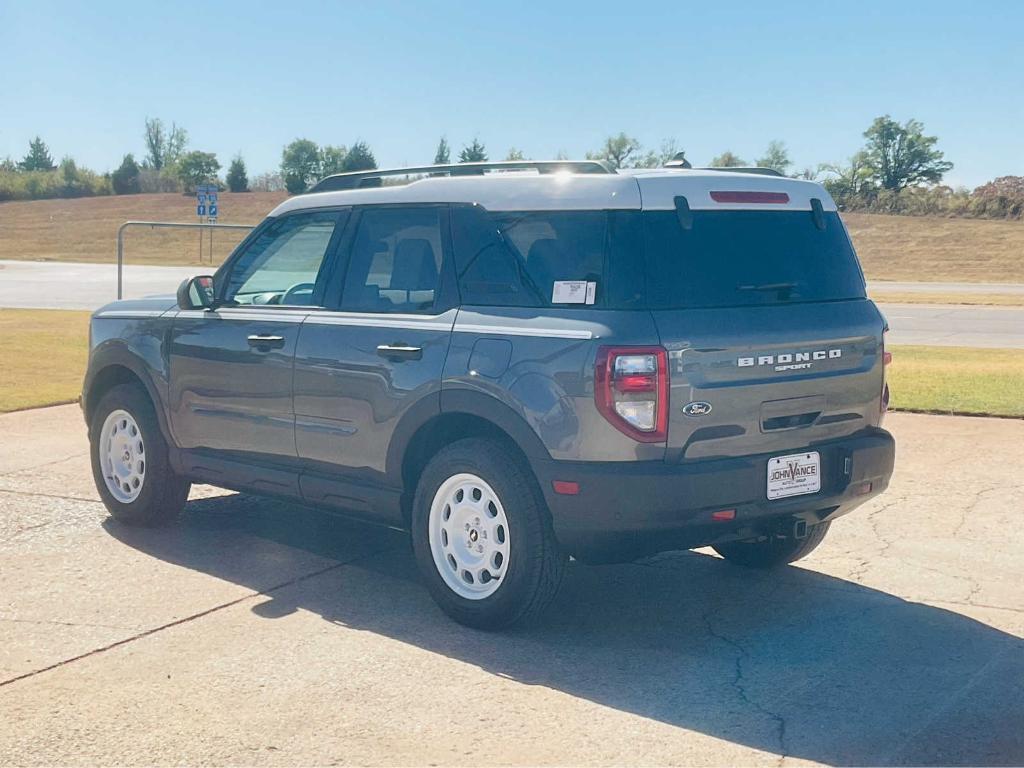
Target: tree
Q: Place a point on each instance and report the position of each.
(515, 154)
(237, 179)
(776, 157)
(443, 156)
(653, 159)
(849, 181)
(163, 148)
(300, 164)
(332, 160)
(195, 168)
(359, 158)
(38, 157)
(125, 179)
(8, 166)
(727, 160)
(618, 151)
(474, 153)
(901, 156)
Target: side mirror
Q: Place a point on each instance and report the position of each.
(196, 293)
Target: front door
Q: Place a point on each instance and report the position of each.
(231, 368)
(360, 369)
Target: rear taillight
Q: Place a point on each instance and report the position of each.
(631, 390)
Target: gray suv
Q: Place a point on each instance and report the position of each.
(517, 366)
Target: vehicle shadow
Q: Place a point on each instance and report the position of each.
(791, 662)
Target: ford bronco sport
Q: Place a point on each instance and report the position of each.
(516, 367)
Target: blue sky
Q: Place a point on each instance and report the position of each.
(251, 76)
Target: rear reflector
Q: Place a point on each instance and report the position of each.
(886, 358)
(863, 488)
(724, 514)
(566, 487)
(750, 197)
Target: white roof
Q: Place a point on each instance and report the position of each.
(647, 189)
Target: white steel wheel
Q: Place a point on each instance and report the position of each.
(122, 456)
(469, 536)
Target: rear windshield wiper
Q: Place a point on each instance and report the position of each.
(767, 287)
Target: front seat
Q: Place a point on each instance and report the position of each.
(414, 272)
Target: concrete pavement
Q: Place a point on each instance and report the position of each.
(256, 632)
(62, 285)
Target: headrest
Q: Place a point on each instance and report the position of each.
(414, 268)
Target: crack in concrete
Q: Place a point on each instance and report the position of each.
(49, 622)
(741, 690)
(968, 510)
(190, 618)
(45, 464)
(16, 492)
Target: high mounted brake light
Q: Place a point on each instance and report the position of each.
(750, 197)
(631, 391)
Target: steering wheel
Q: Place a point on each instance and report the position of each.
(294, 291)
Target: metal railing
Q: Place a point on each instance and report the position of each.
(163, 225)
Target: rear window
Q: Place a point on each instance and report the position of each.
(739, 258)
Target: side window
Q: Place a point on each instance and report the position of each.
(395, 260)
(281, 266)
(514, 258)
(489, 274)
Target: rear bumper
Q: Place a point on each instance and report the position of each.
(627, 509)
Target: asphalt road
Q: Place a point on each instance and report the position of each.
(259, 633)
(52, 285)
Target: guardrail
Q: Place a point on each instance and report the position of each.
(160, 225)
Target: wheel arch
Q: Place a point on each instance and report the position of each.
(462, 415)
(111, 367)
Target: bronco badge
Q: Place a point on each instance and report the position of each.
(697, 408)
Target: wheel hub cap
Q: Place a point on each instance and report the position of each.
(469, 536)
(122, 456)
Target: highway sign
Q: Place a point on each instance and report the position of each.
(200, 210)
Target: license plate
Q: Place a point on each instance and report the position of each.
(794, 475)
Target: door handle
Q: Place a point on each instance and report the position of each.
(400, 351)
(264, 341)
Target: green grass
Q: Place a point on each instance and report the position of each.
(45, 352)
(958, 380)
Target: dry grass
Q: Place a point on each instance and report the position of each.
(45, 352)
(890, 247)
(85, 229)
(935, 249)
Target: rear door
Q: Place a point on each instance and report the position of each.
(362, 367)
(772, 342)
(231, 368)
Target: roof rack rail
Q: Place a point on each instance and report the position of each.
(745, 169)
(361, 179)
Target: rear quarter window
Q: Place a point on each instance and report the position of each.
(739, 258)
(515, 258)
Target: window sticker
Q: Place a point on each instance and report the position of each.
(573, 292)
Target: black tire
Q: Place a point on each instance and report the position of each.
(163, 492)
(772, 551)
(535, 562)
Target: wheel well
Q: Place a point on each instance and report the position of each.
(104, 381)
(436, 434)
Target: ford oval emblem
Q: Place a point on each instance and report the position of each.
(697, 408)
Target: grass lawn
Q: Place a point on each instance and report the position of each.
(958, 380)
(44, 357)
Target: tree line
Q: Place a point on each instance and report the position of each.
(898, 170)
